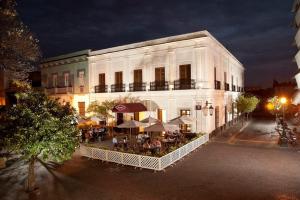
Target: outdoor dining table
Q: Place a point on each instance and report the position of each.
(168, 142)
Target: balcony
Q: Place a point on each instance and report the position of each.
(100, 88)
(217, 85)
(233, 88)
(159, 85)
(184, 84)
(117, 88)
(137, 87)
(59, 90)
(226, 86)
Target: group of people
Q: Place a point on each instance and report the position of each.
(92, 134)
(153, 146)
(123, 142)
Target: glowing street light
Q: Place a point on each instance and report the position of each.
(283, 100)
(270, 106)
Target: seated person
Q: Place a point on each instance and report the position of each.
(115, 142)
(140, 138)
(146, 145)
(125, 142)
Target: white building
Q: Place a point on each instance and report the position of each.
(296, 10)
(66, 77)
(172, 75)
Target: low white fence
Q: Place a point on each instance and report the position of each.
(147, 162)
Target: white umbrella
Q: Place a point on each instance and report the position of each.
(149, 120)
(96, 119)
(159, 127)
(131, 124)
(184, 119)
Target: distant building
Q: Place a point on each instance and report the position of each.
(177, 75)
(7, 92)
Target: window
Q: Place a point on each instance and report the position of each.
(118, 78)
(160, 74)
(81, 77)
(138, 76)
(81, 108)
(232, 80)
(185, 72)
(54, 80)
(225, 77)
(66, 79)
(185, 127)
(102, 79)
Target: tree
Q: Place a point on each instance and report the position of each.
(39, 128)
(246, 104)
(19, 49)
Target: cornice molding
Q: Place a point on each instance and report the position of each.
(64, 61)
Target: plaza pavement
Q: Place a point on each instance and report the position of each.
(216, 171)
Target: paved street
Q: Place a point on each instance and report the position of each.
(219, 170)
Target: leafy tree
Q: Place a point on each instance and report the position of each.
(19, 49)
(102, 109)
(39, 128)
(246, 104)
(274, 105)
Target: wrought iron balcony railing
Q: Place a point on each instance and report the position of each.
(217, 85)
(184, 84)
(100, 88)
(137, 87)
(159, 85)
(226, 86)
(233, 88)
(117, 88)
(59, 89)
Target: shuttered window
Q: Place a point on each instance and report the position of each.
(160, 74)
(185, 72)
(118, 78)
(138, 76)
(102, 79)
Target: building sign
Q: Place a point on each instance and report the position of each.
(120, 107)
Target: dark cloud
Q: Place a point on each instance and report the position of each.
(258, 33)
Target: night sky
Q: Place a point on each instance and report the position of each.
(257, 32)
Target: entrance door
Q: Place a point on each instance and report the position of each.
(81, 108)
(217, 117)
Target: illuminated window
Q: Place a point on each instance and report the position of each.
(185, 127)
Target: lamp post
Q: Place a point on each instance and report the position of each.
(283, 101)
(209, 109)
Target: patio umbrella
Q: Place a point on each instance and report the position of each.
(131, 124)
(184, 119)
(159, 127)
(96, 119)
(149, 120)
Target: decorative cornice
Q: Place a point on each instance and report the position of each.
(64, 61)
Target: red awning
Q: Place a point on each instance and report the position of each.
(129, 108)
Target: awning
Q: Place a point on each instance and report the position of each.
(129, 108)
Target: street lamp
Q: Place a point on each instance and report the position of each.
(209, 109)
(283, 101)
